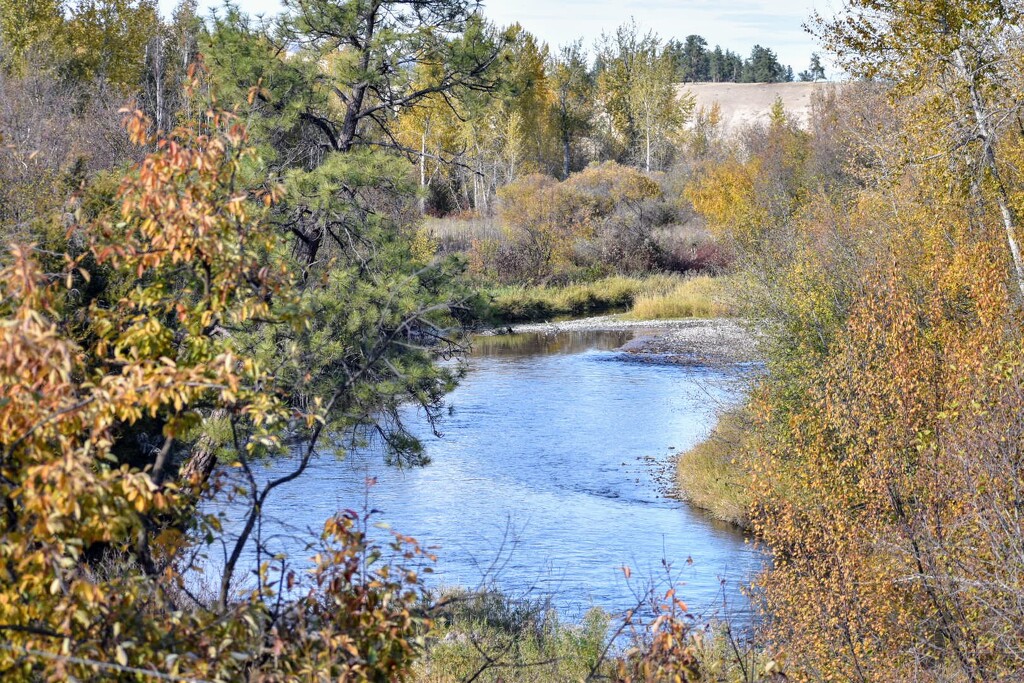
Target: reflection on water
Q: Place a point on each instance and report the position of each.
(538, 344)
(543, 479)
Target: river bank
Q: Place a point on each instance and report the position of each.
(694, 341)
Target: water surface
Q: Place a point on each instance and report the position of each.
(543, 482)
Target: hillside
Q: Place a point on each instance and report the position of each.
(744, 103)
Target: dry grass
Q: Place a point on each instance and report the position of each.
(662, 296)
(696, 297)
(517, 303)
(713, 474)
(456, 235)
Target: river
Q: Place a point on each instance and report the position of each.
(544, 482)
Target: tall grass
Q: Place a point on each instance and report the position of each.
(490, 637)
(696, 297)
(657, 296)
(712, 475)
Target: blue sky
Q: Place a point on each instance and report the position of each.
(736, 24)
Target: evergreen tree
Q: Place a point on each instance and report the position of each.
(733, 67)
(764, 67)
(717, 67)
(816, 72)
(695, 64)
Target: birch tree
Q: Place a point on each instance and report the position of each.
(637, 89)
(963, 56)
(574, 92)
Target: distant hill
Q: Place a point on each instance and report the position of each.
(744, 103)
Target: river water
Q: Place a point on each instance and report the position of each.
(544, 481)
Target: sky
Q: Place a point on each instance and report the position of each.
(734, 24)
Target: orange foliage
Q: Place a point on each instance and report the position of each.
(92, 549)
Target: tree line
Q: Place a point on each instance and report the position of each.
(551, 111)
(693, 62)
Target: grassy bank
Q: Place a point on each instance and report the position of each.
(713, 475)
(659, 296)
(694, 297)
(489, 637)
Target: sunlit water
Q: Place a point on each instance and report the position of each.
(543, 482)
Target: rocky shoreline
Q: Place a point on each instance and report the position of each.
(692, 341)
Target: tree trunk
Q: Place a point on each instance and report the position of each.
(354, 107)
(648, 165)
(196, 471)
(981, 117)
(566, 156)
(423, 172)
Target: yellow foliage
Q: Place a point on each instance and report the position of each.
(93, 552)
(726, 197)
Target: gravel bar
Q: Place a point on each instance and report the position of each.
(691, 341)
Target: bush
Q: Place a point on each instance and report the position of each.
(542, 220)
(608, 217)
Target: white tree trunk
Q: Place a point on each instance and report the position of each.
(423, 170)
(981, 119)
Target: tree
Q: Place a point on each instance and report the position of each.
(694, 64)
(372, 44)
(724, 66)
(524, 100)
(574, 94)
(353, 74)
(84, 40)
(24, 26)
(432, 125)
(94, 544)
(888, 443)
(171, 50)
(919, 44)
(716, 65)
(637, 89)
(816, 72)
(763, 67)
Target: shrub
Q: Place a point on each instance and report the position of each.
(605, 217)
(542, 219)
